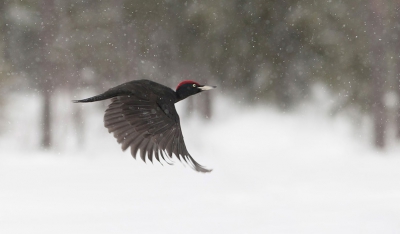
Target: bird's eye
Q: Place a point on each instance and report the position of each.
(194, 85)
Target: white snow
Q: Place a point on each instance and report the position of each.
(274, 172)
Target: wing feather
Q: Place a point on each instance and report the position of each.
(143, 148)
(142, 125)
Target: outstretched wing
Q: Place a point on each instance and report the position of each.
(145, 126)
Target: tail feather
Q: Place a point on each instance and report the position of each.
(92, 99)
(107, 95)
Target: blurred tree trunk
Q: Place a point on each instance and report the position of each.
(45, 69)
(79, 125)
(206, 105)
(396, 46)
(46, 119)
(284, 97)
(75, 71)
(378, 73)
(205, 101)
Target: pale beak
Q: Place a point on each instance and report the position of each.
(206, 87)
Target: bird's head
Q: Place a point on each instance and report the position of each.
(188, 87)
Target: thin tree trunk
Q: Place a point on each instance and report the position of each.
(205, 100)
(79, 126)
(77, 109)
(46, 120)
(206, 104)
(397, 77)
(396, 47)
(377, 71)
(45, 69)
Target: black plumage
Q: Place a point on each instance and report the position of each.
(142, 116)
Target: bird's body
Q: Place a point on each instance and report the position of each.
(142, 116)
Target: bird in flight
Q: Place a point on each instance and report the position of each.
(142, 116)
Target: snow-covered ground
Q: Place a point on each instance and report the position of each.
(274, 172)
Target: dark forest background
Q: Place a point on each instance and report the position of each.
(257, 51)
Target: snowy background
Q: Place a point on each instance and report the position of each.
(302, 132)
(300, 172)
